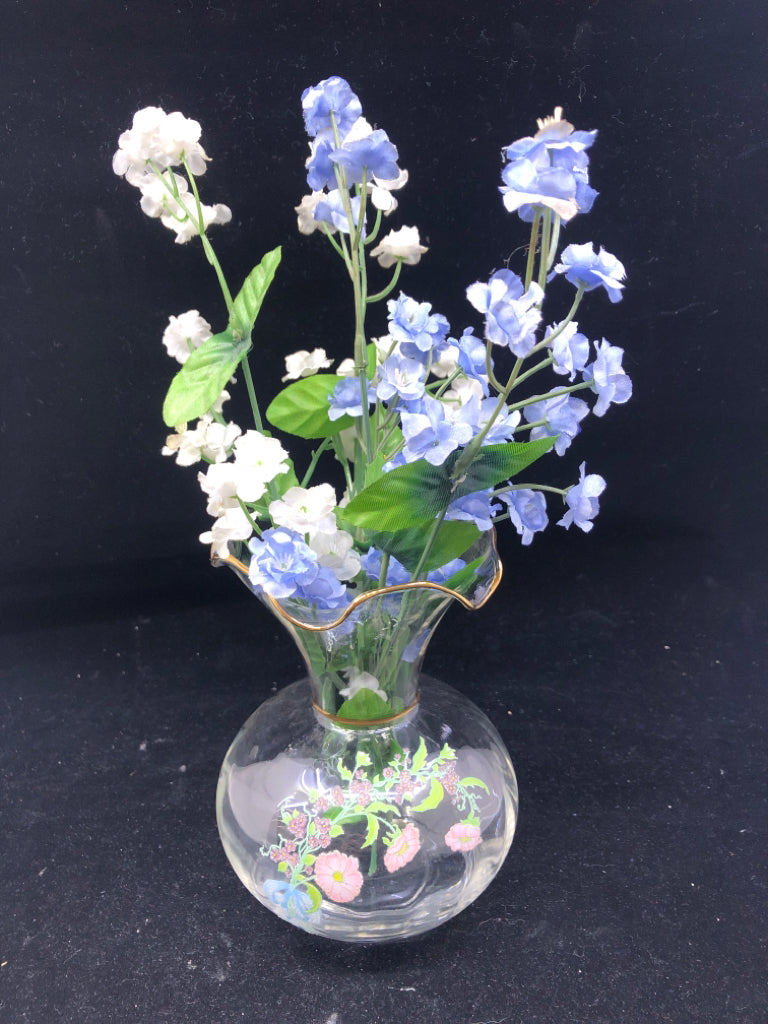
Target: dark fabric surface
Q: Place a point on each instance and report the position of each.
(625, 669)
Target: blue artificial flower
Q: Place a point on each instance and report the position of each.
(609, 379)
(430, 435)
(396, 572)
(511, 313)
(587, 269)
(331, 210)
(503, 427)
(401, 376)
(474, 508)
(472, 357)
(563, 414)
(444, 572)
(346, 400)
(527, 512)
(550, 169)
(570, 350)
(582, 502)
(374, 154)
(332, 95)
(281, 562)
(320, 167)
(412, 323)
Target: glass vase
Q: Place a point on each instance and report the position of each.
(375, 817)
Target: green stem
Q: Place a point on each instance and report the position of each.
(322, 447)
(386, 291)
(532, 249)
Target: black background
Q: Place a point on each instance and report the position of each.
(625, 669)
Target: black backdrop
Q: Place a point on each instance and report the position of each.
(625, 669)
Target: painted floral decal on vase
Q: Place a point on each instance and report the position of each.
(372, 805)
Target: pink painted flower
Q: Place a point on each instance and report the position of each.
(338, 876)
(403, 848)
(463, 836)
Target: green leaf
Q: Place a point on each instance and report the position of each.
(411, 494)
(200, 381)
(453, 538)
(471, 781)
(363, 706)
(314, 894)
(465, 577)
(436, 794)
(372, 832)
(250, 297)
(420, 756)
(302, 408)
(308, 859)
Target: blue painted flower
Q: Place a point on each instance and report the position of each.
(346, 399)
(331, 209)
(332, 95)
(431, 435)
(511, 313)
(527, 512)
(582, 502)
(413, 323)
(292, 899)
(609, 379)
(588, 270)
(373, 154)
(400, 376)
(563, 416)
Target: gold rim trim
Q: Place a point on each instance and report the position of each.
(369, 595)
(366, 723)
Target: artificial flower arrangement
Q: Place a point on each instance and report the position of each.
(432, 430)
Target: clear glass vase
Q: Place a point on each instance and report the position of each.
(375, 817)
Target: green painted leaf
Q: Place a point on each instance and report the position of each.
(470, 781)
(203, 377)
(250, 297)
(378, 807)
(308, 859)
(436, 794)
(372, 832)
(302, 408)
(363, 706)
(315, 895)
(409, 495)
(420, 756)
(336, 830)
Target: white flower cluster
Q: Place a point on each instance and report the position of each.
(311, 512)
(156, 142)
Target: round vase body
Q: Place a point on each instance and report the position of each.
(285, 797)
(367, 802)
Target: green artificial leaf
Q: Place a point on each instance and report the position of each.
(302, 408)
(250, 297)
(372, 832)
(365, 705)
(453, 539)
(203, 377)
(465, 577)
(471, 781)
(411, 494)
(436, 794)
(420, 756)
(315, 896)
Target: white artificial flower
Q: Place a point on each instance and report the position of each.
(178, 212)
(463, 390)
(219, 482)
(185, 333)
(305, 364)
(232, 524)
(346, 367)
(307, 510)
(258, 460)
(447, 363)
(386, 346)
(335, 551)
(209, 440)
(359, 680)
(381, 192)
(403, 244)
(305, 212)
(160, 138)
